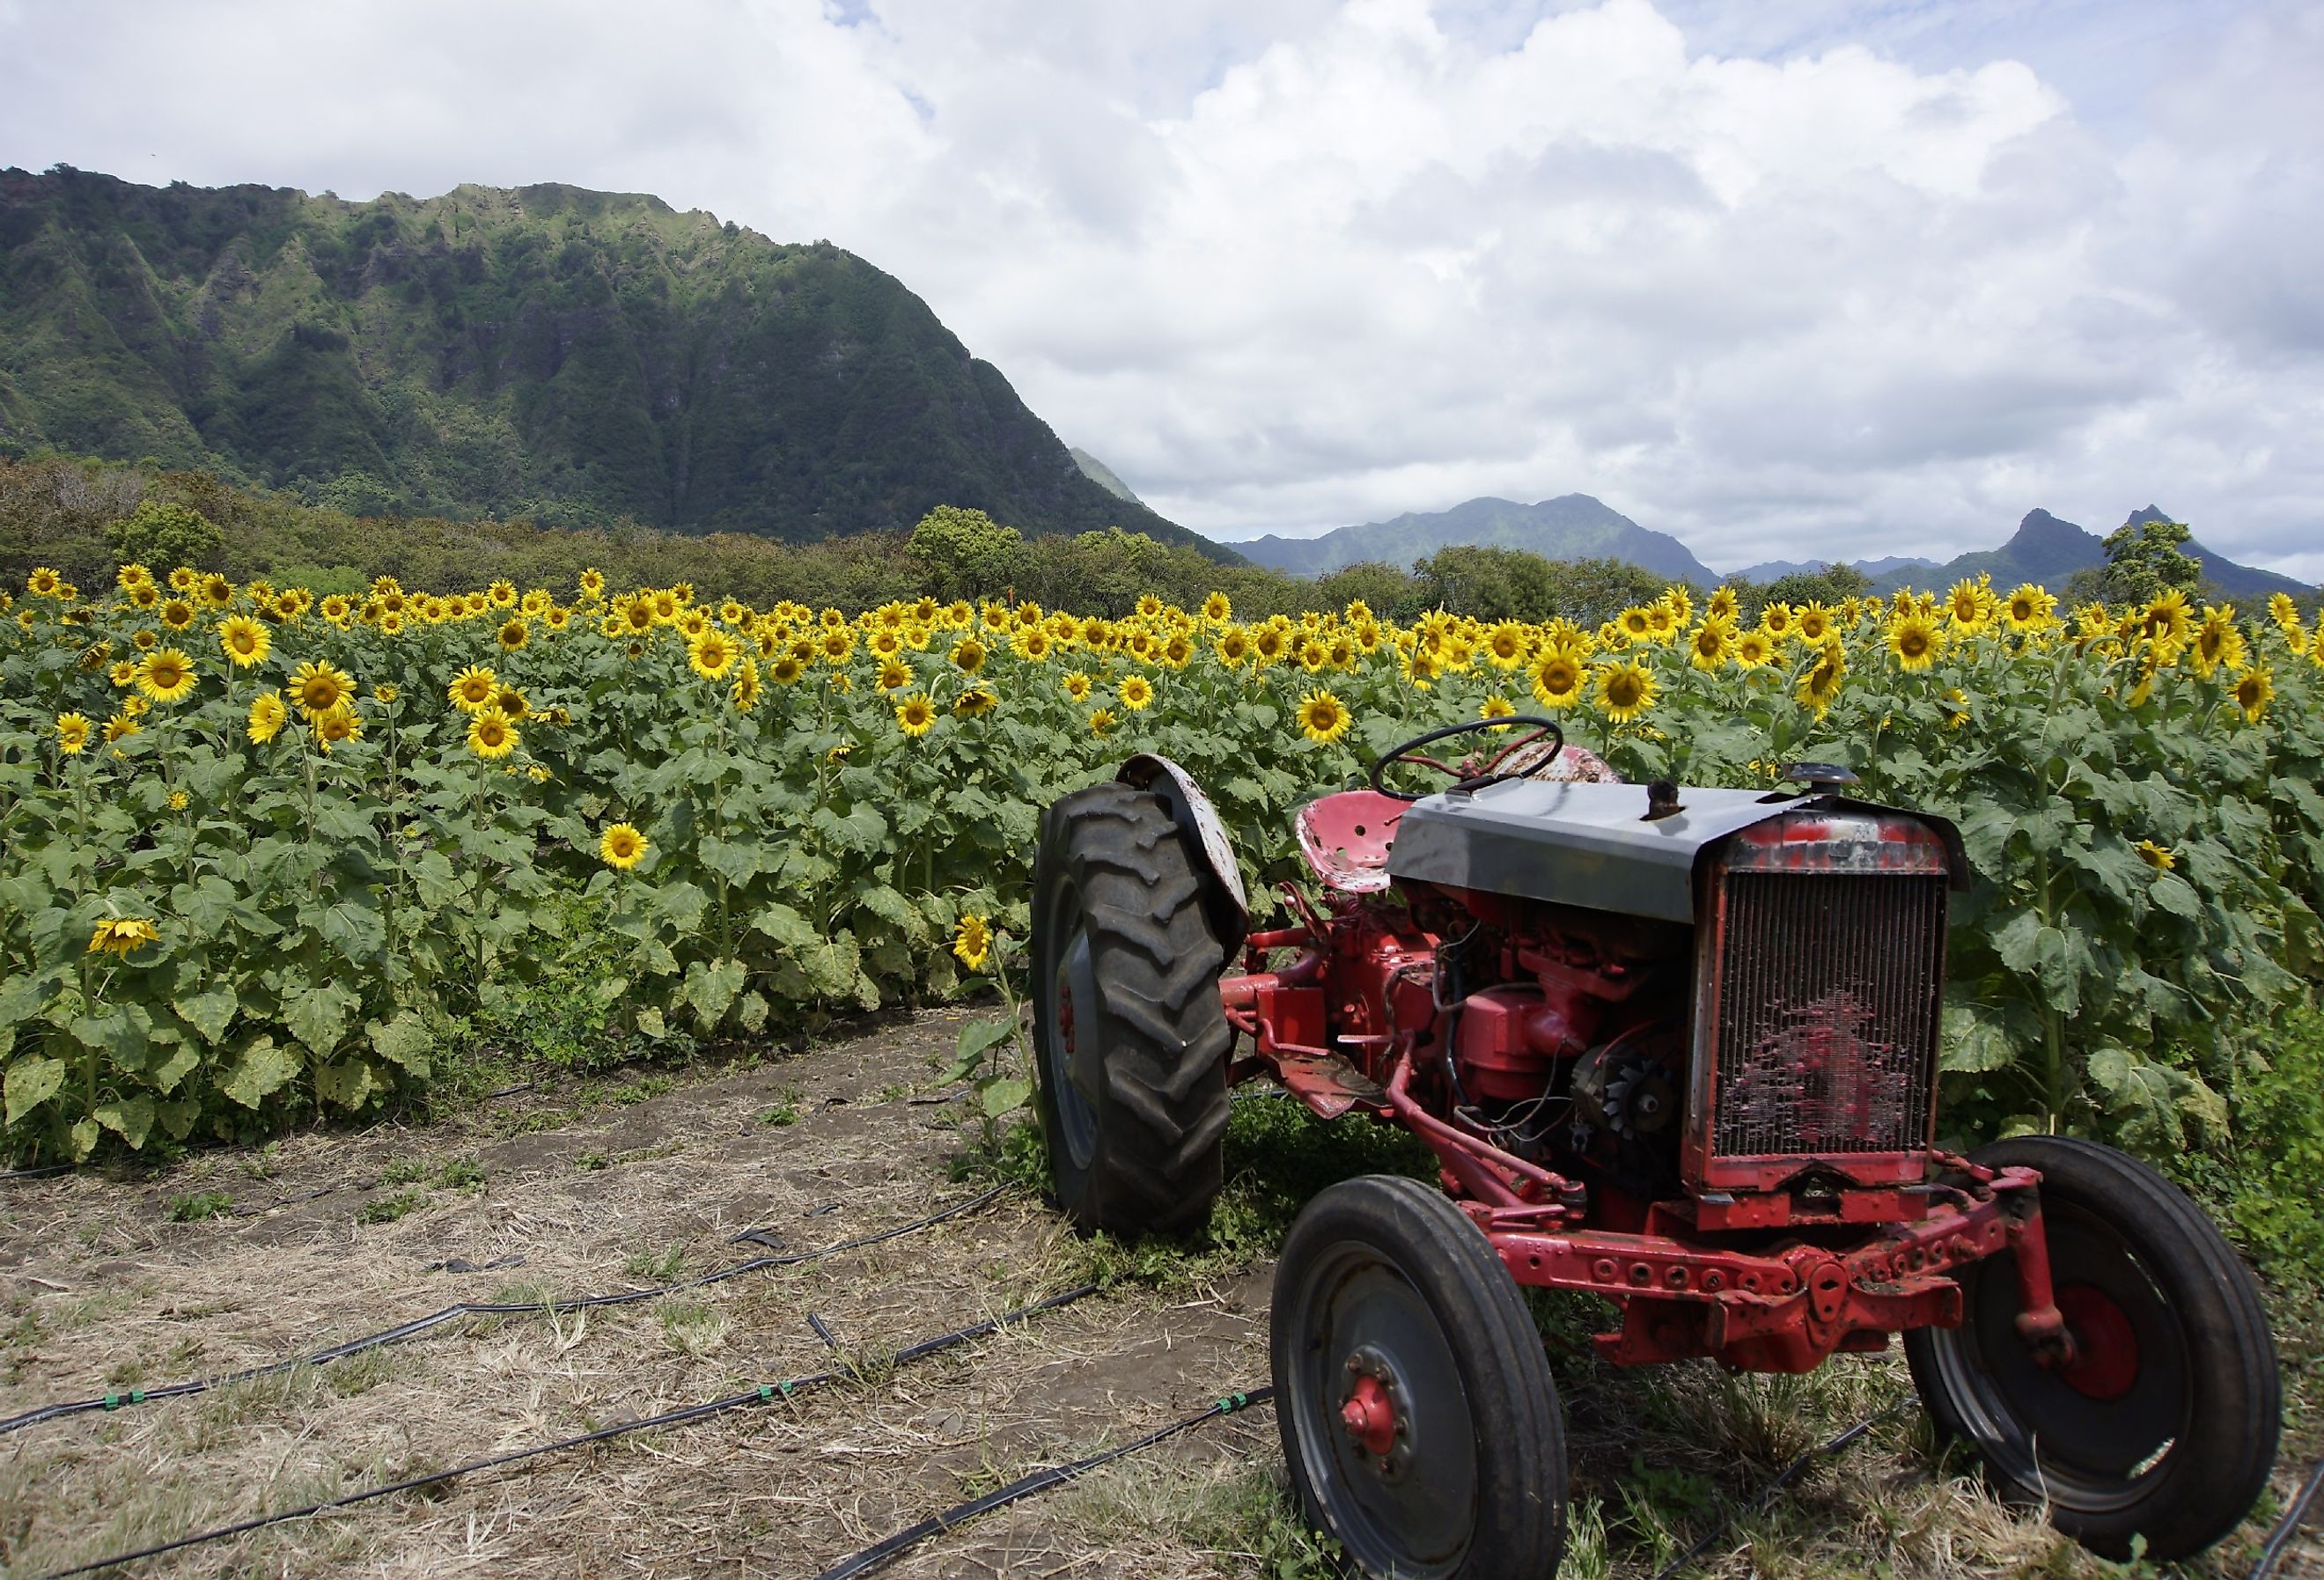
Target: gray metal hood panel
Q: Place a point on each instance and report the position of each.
(1576, 844)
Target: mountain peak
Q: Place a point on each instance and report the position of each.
(1567, 526)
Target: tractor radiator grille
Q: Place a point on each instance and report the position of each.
(1828, 994)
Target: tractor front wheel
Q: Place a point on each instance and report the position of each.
(1419, 1419)
(2163, 1423)
(1129, 1041)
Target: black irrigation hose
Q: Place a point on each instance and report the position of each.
(880, 1554)
(10, 1176)
(412, 1329)
(1839, 1445)
(2278, 1541)
(765, 1393)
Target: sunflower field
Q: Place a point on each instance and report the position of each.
(260, 851)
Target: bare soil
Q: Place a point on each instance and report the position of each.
(584, 1188)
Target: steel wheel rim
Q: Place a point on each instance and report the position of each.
(1068, 1001)
(1418, 1519)
(2090, 1456)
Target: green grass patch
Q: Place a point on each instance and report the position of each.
(198, 1205)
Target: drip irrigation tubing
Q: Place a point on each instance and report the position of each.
(882, 1553)
(1838, 1445)
(417, 1326)
(10, 1176)
(2278, 1541)
(765, 1393)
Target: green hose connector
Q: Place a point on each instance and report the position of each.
(113, 1401)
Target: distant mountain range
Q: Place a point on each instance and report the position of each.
(2042, 550)
(1099, 473)
(1573, 526)
(547, 353)
(1576, 526)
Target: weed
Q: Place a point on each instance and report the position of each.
(783, 1111)
(386, 1209)
(127, 1373)
(200, 1205)
(461, 1174)
(403, 1171)
(649, 1268)
(693, 1327)
(590, 1162)
(362, 1372)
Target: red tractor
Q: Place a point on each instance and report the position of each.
(1674, 1046)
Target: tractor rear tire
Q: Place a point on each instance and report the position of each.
(1419, 1419)
(2165, 1425)
(1129, 1040)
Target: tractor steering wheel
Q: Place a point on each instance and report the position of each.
(1408, 752)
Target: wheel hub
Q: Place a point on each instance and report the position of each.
(1377, 1412)
(2104, 1362)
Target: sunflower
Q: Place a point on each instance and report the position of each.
(146, 642)
(319, 687)
(2162, 858)
(503, 593)
(836, 644)
(1233, 646)
(178, 614)
(473, 688)
(217, 592)
(914, 714)
(1135, 692)
(339, 725)
(1102, 721)
(43, 582)
(1077, 686)
(1636, 623)
(745, 693)
(1915, 639)
(2164, 622)
(2254, 689)
(491, 736)
(267, 716)
(1269, 643)
(1218, 608)
(786, 671)
(2029, 609)
(180, 801)
(622, 846)
(969, 654)
(165, 675)
(1557, 676)
(894, 675)
(1820, 685)
(972, 940)
(1037, 645)
(1495, 706)
(711, 653)
(1777, 620)
(974, 703)
(1954, 706)
(1971, 606)
(1507, 644)
(1625, 691)
(121, 727)
(72, 732)
(1813, 623)
(511, 702)
(1323, 717)
(145, 595)
(1710, 645)
(593, 582)
(132, 575)
(513, 633)
(244, 640)
(692, 623)
(2217, 642)
(123, 935)
(123, 674)
(1753, 648)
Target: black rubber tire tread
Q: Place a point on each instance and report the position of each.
(2217, 1469)
(1163, 1035)
(1521, 1496)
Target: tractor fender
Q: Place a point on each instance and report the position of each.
(1191, 809)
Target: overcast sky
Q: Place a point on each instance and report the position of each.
(1792, 278)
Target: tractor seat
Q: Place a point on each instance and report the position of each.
(1345, 838)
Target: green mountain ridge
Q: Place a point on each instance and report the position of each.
(544, 352)
(1573, 526)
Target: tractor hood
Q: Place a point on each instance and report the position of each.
(1594, 844)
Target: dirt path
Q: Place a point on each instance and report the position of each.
(620, 1186)
(587, 1187)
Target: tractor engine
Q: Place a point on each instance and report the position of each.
(1738, 995)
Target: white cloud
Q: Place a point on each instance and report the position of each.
(1803, 279)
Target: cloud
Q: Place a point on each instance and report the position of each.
(1784, 279)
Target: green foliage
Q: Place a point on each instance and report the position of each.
(2265, 1182)
(2143, 559)
(164, 532)
(199, 1204)
(573, 357)
(967, 553)
(387, 1209)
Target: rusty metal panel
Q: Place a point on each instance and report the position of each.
(1830, 992)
